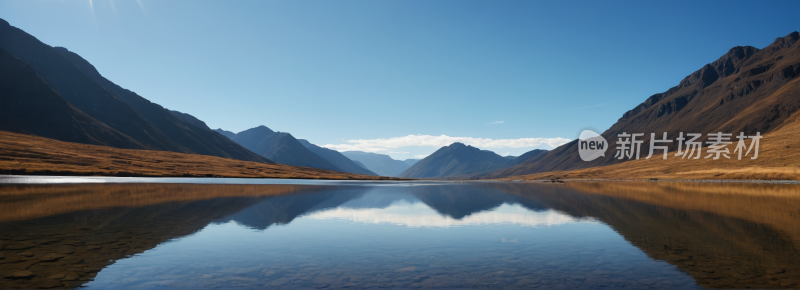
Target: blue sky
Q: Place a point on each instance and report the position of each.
(378, 70)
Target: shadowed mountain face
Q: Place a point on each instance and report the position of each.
(535, 153)
(183, 128)
(337, 158)
(411, 162)
(359, 164)
(280, 147)
(746, 90)
(228, 134)
(190, 119)
(77, 82)
(29, 105)
(455, 160)
(381, 164)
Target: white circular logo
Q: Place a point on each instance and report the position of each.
(591, 145)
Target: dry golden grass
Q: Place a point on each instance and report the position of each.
(31, 155)
(778, 159)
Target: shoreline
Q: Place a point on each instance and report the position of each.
(59, 173)
(66, 174)
(22, 154)
(755, 181)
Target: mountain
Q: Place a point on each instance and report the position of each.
(190, 119)
(337, 158)
(358, 163)
(79, 83)
(746, 90)
(381, 164)
(411, 162)
(29, 105)
(228, 134)
(455, 160)
(524, 157)
(280, 147)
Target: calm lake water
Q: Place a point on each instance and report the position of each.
(140, 233)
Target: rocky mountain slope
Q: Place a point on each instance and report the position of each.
(746, 90)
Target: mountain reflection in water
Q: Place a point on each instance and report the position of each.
(474, 235)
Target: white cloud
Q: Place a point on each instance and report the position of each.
(420, 156)
(376, 145)
(420, 215)
(393, 152)
(495, 122)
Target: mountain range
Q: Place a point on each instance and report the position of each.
(381, 164)
(283, 148)
(54, 93)
(337, 158)
(57, 94)
(464, 161)
(746, 90)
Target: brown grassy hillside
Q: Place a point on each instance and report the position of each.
(746, 90)
(27, 154)
(778, 159)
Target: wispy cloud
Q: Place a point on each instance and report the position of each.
(377, 145)
(420, 156)
(589, 106)
(113, 7)
(142, 6)
(495, 122)
(393, 152)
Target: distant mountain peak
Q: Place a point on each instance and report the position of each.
(455, 160)
(258, 130)
(381, 164)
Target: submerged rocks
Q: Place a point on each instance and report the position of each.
(22, 274)
(51, 257)
(56, 276)
(25, 254)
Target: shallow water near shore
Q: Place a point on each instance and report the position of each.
(112, 233)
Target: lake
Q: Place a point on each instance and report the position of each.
(165, 233)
